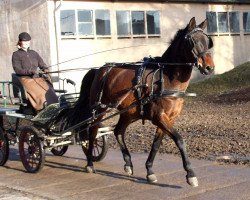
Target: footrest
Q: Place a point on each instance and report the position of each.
(8, 110)
(61, 91)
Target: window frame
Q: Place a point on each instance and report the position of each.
(130, 25)
(93, 20)
(95, 35)
(155, 34)
(76, 30)
(228, 32)
(244, 28)
(110, 26)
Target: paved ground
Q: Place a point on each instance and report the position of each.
(63, 178)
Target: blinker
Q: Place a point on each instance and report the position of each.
(211, 44)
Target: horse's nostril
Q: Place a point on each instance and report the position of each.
(208, 68)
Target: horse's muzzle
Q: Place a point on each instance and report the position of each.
(207, 70)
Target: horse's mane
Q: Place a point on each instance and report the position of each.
(179, 34)
(81, 109)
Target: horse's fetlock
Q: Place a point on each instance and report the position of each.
(190, 173)
(150, 171)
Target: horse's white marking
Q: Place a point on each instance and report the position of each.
(193, 181)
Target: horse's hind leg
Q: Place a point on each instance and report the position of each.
(119, 132)
(154, 149)
(92, 135)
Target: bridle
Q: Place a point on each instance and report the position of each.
(196, 46)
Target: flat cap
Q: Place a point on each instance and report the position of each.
(24, 36)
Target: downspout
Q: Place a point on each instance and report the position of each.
(57, 39)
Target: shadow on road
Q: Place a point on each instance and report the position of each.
(108, 174)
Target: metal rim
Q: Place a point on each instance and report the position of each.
(59, 151)
(99, 150)
(31, 150)
(4, 148)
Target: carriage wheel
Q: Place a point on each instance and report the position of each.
(100, 148)
(4, 148)
(31, 150)
(59, 151)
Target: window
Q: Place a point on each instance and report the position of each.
(153, 22)
(223, 22)
(102, 21)
(123, 23)
(138, 23)
(212, 22)
(81, 23)
(246, 21)
(67, 19)
(85, 22)
(234, 18)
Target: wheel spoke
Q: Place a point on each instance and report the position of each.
(31, 151)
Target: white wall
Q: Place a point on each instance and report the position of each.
(228, 51)
(17, 16)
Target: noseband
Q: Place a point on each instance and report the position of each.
(190, 39)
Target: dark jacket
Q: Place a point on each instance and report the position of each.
(27, 63)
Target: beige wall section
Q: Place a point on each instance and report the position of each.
(228, 51)
(17, 16)
(38, 17)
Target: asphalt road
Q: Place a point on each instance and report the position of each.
(64, 178)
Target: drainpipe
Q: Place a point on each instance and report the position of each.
(57, 39)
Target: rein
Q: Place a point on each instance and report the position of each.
(115, 64)
(144, 101)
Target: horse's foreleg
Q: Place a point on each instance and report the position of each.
(191, 177)
(154, 149)
(180, 143)
(119, 134)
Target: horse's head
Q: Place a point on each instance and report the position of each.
(198, 45)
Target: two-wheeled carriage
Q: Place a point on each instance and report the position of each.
(35, 134)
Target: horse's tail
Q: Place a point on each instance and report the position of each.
(82, 109)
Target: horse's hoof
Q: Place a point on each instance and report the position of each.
(193, 181)
(90, 169)
(128, 170)
(151, 178)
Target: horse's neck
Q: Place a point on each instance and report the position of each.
(178, 77)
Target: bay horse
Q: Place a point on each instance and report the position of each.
(114, 85)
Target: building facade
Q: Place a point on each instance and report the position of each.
(74, 34)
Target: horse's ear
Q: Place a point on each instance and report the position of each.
(203, 24)
(192, 24)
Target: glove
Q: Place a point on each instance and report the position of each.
(37, 74)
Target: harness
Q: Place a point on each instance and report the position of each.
(197, 46)
(197, 52)
(138, 88)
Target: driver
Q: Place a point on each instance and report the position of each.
(30, 68)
